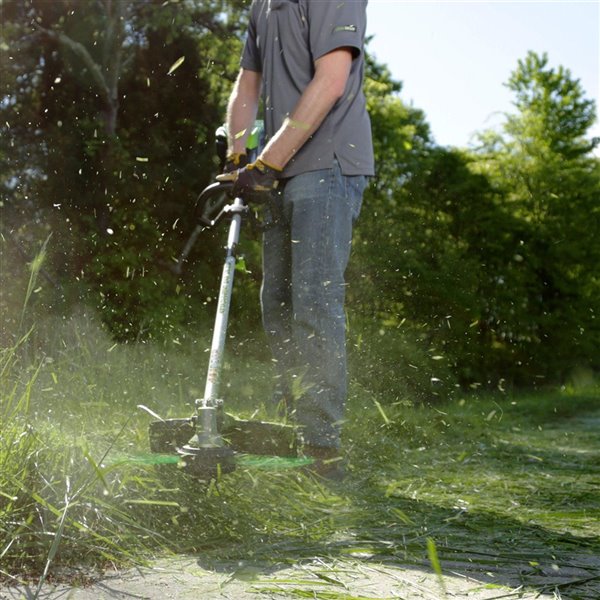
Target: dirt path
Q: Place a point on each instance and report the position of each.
(351, 579)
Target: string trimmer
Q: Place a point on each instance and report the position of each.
(209, 441)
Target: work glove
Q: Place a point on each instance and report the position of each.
(233, 162)
(254, 182)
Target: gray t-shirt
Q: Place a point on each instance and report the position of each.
(284, 39)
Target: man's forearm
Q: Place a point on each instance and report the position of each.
(316, 102)
(242, 109)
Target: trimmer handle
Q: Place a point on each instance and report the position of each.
(212, 201)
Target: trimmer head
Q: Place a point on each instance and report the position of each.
(207, 463)
(180, 436)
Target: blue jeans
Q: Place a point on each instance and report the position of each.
(305, 253)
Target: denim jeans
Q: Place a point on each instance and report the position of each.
(306, 249)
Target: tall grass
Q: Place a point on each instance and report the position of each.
(57, 499)
(61, 500)
(34, 271)
(451, 475)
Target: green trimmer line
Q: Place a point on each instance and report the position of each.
(208, 442)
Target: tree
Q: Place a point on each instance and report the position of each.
(113, 106)
(543, 167)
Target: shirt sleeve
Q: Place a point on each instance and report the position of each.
(336, 24)
(251, 55)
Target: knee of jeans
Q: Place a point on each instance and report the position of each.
(320, 319)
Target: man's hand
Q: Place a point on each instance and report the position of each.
(253, 180)
(233, 162)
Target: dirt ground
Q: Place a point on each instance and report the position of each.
(351, 579)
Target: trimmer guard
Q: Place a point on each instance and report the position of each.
(260, 437)
(241, 435)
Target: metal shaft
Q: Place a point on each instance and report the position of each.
(218, 341)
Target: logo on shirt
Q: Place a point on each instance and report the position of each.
(351, 28)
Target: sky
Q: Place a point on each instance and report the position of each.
(453, 57)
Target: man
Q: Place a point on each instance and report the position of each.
(305, 59)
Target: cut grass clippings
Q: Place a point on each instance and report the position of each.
(503, 489)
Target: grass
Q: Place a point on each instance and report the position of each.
(501, 488)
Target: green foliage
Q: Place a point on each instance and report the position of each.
(396, 360)
(484, 258)
(137, 297)
(428, 232)
(549, 182)
(553, 114)
(393, 343)
(102, 102)
(488, 258)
